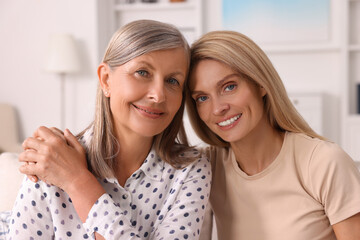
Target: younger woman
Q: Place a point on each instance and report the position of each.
(273, 177)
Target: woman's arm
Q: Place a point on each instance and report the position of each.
(180, 217)
(207, 227)
(335, 182)
(349, 229)
(63, 164)
(30, 212)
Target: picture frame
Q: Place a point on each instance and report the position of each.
(279, 21)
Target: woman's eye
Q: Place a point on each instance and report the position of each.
(173, 81)
(230, 87)
(142, 73)
(201, 99)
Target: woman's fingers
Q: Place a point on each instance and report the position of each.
(58, 133)
(45, 140)
(32, 178)
(28, 169)
(29, 156)
(35, 165)
(43, 132)
(24, 157)
(42, 151)
(56, 130)
(32, 143)
(52, 135)
(73, 141)
(53, 157)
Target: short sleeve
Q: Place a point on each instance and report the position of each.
(335, 181)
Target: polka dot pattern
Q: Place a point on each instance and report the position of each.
(156, 202)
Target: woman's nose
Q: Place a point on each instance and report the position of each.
(220, 108)
(157, 91)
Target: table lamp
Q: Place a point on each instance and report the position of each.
(62, 58)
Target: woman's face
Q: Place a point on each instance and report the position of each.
(146, 92)
(231, 106)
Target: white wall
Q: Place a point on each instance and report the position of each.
(24, 30)
(26, 25)
(315, 71)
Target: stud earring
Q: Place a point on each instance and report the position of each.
(106, 93)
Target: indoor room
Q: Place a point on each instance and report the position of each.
(313, 45)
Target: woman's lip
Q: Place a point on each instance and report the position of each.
(150, 112)
(229, 121)
(229, 118)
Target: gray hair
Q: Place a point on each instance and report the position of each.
(130, 41)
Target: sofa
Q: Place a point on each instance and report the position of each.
(10, 182)
(10, 177)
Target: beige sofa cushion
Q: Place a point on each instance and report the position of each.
(9, 137)
(10, 180)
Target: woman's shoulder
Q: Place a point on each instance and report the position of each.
(305, 144)
(314, 153)
(217, 154)
(196, 168)
(199, 156)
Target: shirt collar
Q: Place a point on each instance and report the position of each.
(153, 166)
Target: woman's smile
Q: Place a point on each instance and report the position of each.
(146, 92)
(229, 122)
(230, 105)
(149, 112)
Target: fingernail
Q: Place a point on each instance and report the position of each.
(68, 131)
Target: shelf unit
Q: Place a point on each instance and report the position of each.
(310, 105)
(302, 48)
(186, 15)
(112, 14)
(351, 53)
(141, 6)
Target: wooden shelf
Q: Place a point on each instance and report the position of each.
(153, 6)
(354, 118)
(354, 47)
(186, 15)
(301, 48)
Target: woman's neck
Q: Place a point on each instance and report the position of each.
(133, 151)
(258, 150)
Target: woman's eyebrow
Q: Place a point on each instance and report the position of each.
(147, 64)
(224, 79)
(219, 83)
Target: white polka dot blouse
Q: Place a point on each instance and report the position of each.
(156, 202)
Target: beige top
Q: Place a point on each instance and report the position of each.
(311, 185)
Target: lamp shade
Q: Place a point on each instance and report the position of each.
(62, 55)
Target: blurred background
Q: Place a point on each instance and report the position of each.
(50, 50)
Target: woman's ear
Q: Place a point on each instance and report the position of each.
(262, 91)
(103, 74)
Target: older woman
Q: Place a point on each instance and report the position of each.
(140, 179)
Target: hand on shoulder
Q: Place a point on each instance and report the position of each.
(53, 157)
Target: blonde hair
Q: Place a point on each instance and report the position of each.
(246, 58)
(133, 40)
